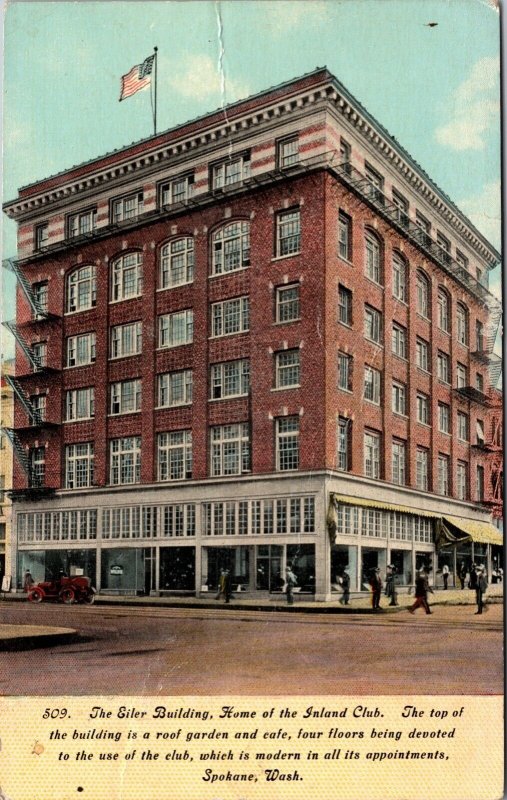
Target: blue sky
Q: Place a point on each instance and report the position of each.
(435, 88)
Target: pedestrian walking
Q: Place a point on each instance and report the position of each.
(422, 588)
(462, 574)
(480, 589)
(28, 581)
(290, 582)
(227, 586)
(376, 588)
(344, 599)
(445, 575)
(391, 585)
(221, 584)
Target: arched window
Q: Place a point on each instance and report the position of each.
(462, 332)
(444, 311)
(127, 277)
(373, 257)
(81, 289)
(177, 263)
(230, 248)
(423, 294)
(399, 277)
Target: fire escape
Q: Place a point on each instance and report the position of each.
(492, 447)
(21, 436)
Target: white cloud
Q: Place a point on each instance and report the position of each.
(484, 210)
(200, 77)
(474, 108)
(281, 16)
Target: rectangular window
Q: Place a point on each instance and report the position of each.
(40, 293)
(344, 443)
(231, 248)
(423, 408)
(463, 426)
(444, 367)
(174, 456)
(344, 236)
(422, 469)
(345, 372)
(462, 325)
(461, 376)
(127, 207)
(372, 454)
(445, 248)
(82, 223)
(479, 335)
(40, 355)
(479, 431)
(175, 389)
(125, 397)
(79, 461)
(399, 278)
(288, 152)
(344, 305)
(80, 404)
(125, 460)
(444, 317)
(176, 329)
(178, 520)
(399, 463)
(287, 369)
(480, 484)
(399, 340)
(287, 303)
(287, 443)
(443, 474)
(231, 379)
(372, 324)
(288, 232)
(127, 277)
(424, 226)
(462, 260)
(81, 350)
(462, 480)
(37, 460)
(479, 382)
(38, 403)
(177, 263)
(230, 450)
(376, 182)
(126, 340)
(41, 235)
(422, 350)
(177, 190)
(372, 385)
(232, 171)
(402, 206)
(373, 267)
(399, 398)
(444, 418)
(345, 151)
(230, 316)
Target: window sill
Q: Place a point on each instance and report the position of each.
(286, 388)
(400, 300)
(228, 272)
(342, 389)
(228, 397)
(172, 346)
(127, 355)
(372, 341)
(345, 324)
(372, 402)
(444, 383)
(445, 433)
(400, 415)
(345, 260)
(374, 282)
(125, 299)
(80, 311)
(81, 419)
(401, 358)
(288, 255)
(168, 408)
(424, 424)
(287, 321)
(424, 371)
(77, 366)
(123, 414)
(176, 286)
(422, 316)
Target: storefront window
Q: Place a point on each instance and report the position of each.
(302, 559)
(177, 568)
(269, 568)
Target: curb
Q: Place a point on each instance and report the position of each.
(40, 640)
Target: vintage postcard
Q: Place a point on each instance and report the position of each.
(251, 423)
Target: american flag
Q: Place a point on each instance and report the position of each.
(138, 78)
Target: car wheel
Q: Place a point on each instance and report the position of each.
(67, 596)
(35, 595)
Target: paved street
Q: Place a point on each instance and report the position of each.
(178, 651)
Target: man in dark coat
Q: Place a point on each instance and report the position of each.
(376, 588)
(462, 574)
(422, 588)
(480, 589)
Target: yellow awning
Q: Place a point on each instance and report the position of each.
(358, 501)
(482, 532)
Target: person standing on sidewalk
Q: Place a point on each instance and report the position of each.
(462, 574)
(290, 582)
(391, 585)
(445, 575)
(28, 581)
(480, 589)
(422, 588)
(376, 588)
(344, 599)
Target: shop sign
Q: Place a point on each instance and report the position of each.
(116, 569)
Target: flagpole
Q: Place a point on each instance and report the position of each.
(155, 112)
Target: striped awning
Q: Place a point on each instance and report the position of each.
(359, 501)
(481, 532)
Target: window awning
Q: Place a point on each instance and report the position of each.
(358, 501)
(481, 532)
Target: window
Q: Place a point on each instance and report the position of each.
(126, 340)
(443, 474)
(41, 295)
(81, 350)
(462, 260)
(344, 305)
(479, 335)
(37, 460)
(480, 484)
(82, 223)
(461, 376)
(288, 152)
(128, 207)
(287, 367)
(79, 462)
(344, 443)
(344, 236)
(231, 379)
(423, 409)
(479, 382)
(176, 329)
(230, 248)
(125, 464)
(399, 463)
(287, 303)
(126, 397)
(399, 398)
(345, 150)
(177, 190)
(462, 324)
(462, 480)
(444, 315)
(234, 170)
(422, 350)
(372, 324)
(287, 443)
(479, 430)
(177, 263)
(175, 456)
(423, 295)
(372, 454)
(421, 469)
(445, 248)
(288, 232)
(444, 367)
(81, 290)
(175, 389)
(38, 402)
(345, 372)
(80, 404)
(41, 236)
(399, 278)
(127, 277)
(444, 418)
(372, 385)
(402, 206)
(424, 226)
(376, 182)
(373, 268)
(230, 450)
(463, 426)
(40, 353)
(399, 340)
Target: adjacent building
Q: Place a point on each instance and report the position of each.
(6, 421)
(261, 337)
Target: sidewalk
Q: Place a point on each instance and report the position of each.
(28, 637)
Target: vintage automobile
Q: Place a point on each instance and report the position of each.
(77, 589)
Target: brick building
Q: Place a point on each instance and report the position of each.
(6, 420)
(261, 337)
